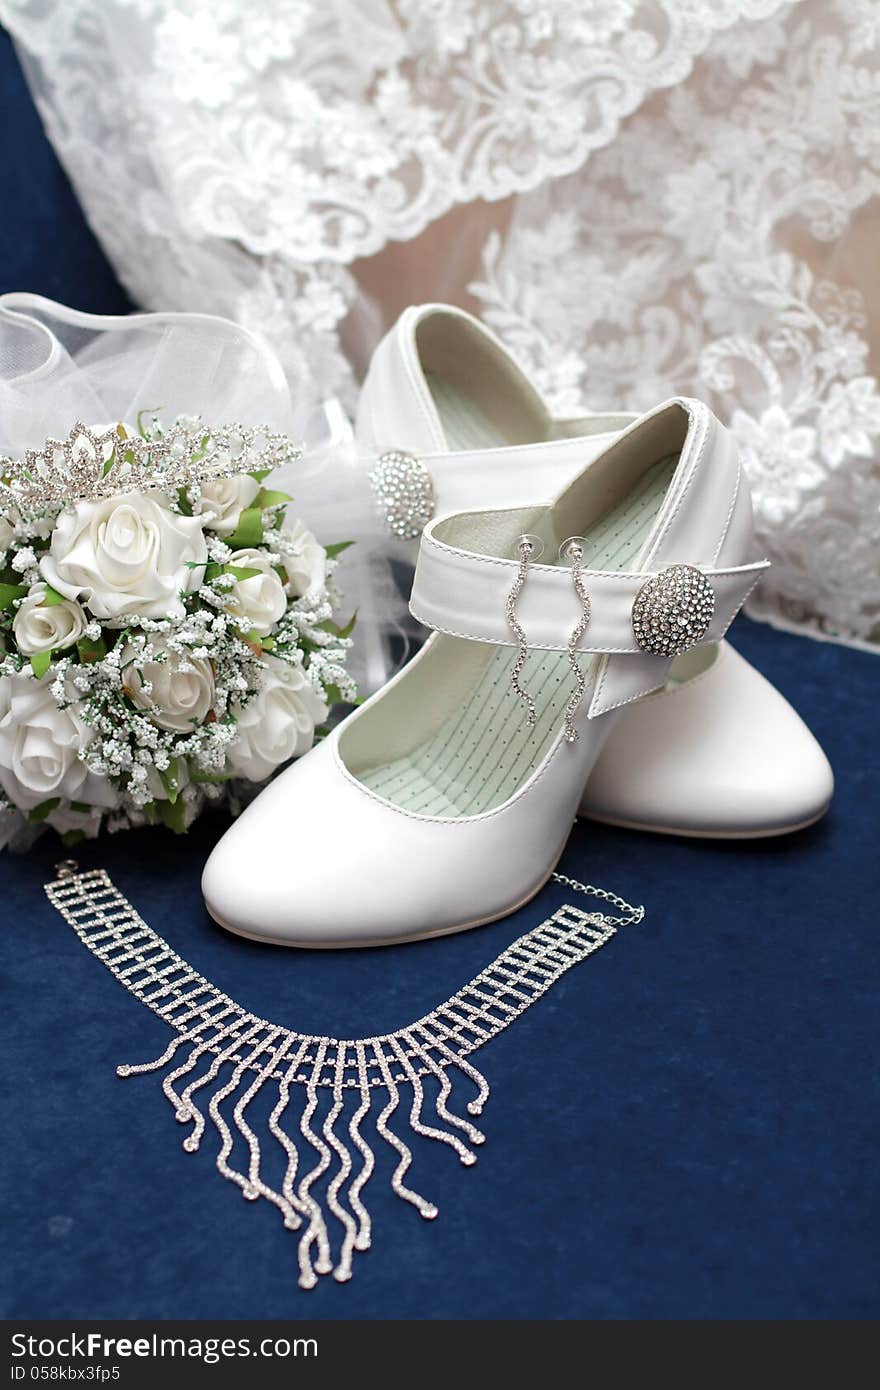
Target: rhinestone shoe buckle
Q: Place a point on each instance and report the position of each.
(672, 610)
(404, 491)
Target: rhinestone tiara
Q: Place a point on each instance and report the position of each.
(92, 464)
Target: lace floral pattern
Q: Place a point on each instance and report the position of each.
(236, 158)
(330, 127)
(720, 246)
(696, 186)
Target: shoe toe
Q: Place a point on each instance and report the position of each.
(275, 874)
(780, 785)
(723, 754)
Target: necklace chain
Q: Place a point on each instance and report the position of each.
(634, 914)
(183, 998)
(327, 1085)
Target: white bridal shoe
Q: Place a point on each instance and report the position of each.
(718, 752)
(446, 800)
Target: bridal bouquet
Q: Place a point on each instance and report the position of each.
(166, 628)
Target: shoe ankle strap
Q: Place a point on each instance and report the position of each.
(464, 594)
(411, 488)
(693, 574)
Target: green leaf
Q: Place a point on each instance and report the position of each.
(259, 474)
(249, 531)
(89, 651)
(40, 662)
(202, 449)
(170, 779)
(337, 548)
(268, 644)
(110, 463)
(82, 807)
(184, 506)
(241, 571)
(329, 626)
(140, 418)
(266, 498)
(45, 808)
(71, 838)
(52, 598)
(9, 593)
(171, 814)
(199, 776)
(336, 697)
(252, 639)
(212, 569)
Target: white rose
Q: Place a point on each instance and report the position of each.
(225, 500)
(259, 601)
(307, 570)
(277, 725)
(126, 556)
(177, 693)
(38, 628)
(39, 744)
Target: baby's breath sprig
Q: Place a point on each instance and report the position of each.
(160, 705)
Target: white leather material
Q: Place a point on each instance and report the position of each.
(396, 411)
(464, 594)
(320, 860)
(706, 513)
(723, 754)
(706, 520)
(509, 476)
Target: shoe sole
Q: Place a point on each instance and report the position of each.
(689, 833)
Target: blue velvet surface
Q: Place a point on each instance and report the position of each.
(45, 244)
(684, 1127)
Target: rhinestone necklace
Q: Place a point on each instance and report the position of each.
(338, 1083)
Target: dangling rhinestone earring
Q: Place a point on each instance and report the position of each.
(572, 551)
(528, 548)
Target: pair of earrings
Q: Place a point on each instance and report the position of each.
(529, 549)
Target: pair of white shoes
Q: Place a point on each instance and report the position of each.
(577, 661)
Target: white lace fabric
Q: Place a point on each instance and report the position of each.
(694, 185)
(724, 245)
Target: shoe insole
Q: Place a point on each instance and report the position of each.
(465, 424)
(486, 749)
